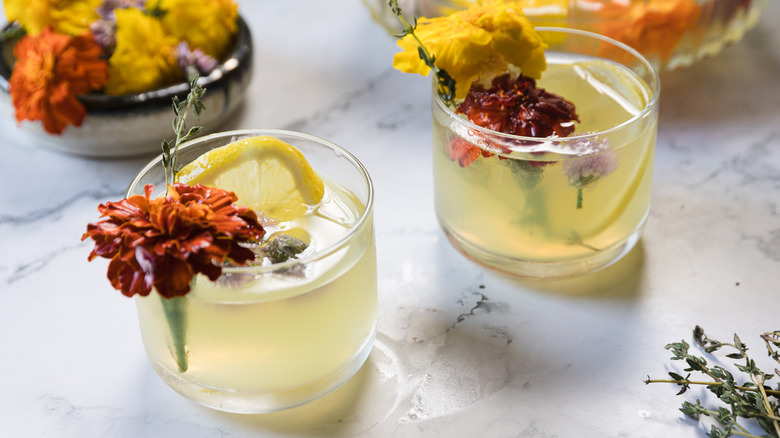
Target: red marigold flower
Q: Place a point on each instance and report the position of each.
(517, 106)
(514, 106)
(51, 70)
(164, 242)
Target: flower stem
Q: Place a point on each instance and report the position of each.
(759, 381)
(175, 314)
(181, 109)
(446, 84)
(718, 383)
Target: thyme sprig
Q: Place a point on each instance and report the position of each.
(181, 109)
(445, 83)
(176, 308)
(752, 399)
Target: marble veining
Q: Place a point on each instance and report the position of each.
(461, 351)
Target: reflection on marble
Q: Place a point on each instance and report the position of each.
(461, 351)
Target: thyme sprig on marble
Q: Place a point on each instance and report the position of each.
(752, 400)
(181, 109)
(445, 82)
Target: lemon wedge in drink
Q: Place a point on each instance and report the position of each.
(266, 174)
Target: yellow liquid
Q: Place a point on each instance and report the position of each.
(258, 343)
(509, 209)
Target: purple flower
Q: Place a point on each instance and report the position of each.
(106, 9)
(104, 34)
(194, 59)
(598, 160)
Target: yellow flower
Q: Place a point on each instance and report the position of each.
(70, 17)
(144, 58)
(476, 41)
(208, 25)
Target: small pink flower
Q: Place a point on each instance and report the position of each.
(197, 59)
(599, 161)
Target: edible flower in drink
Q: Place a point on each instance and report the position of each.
(211, 214)
(164, 242)
(487, 59)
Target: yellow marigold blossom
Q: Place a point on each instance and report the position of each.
(144, 58)
(70, 17)
(208, 25)
(479, 40)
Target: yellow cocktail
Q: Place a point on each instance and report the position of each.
(543, 207)
(275, 335)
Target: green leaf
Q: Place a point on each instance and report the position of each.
(742, 347)
(714, 346)
(194, 131)
(692, 410)
(699, 336)
(198, 107)
(715, 432)
(695, 363)
(721, 373)
(723, 416)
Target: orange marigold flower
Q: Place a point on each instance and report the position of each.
(51, 70)
(654, 28)
(164, 242)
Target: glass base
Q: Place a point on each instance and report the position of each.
(545, 269)
(237, 401)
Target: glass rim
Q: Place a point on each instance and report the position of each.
(358, 226)
(654, 85)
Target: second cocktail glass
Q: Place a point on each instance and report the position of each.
(554, 206)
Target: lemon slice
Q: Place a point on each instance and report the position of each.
(266, 174)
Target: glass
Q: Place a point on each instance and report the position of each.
(670, 34)
(266, 338)
(555, 207)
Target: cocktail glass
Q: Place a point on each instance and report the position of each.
(555, 207)
(270, 337)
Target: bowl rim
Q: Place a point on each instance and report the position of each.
(235, 64)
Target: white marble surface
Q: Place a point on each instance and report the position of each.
(461, 351)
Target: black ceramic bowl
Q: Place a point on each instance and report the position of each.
(136, 124)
